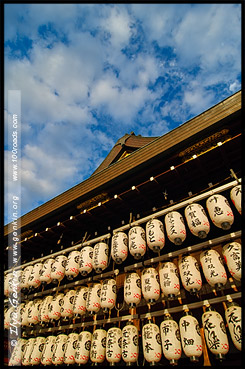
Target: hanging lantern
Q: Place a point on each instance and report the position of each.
(83, 347)
(190, 336)
(55, 307)
(137, 242)
(170, 337)
(58, 268)
(197, 220)
(25, 278)
(132, 289)
(100, 257)
(130, 344)
(190, 273)
(67, 306)
(169, 279)
(34, 278)
(98, 346)
(236, 197)
(46, 357)
(232, 253)
(119, 247)
(175, 227)
(24, 314)
(151, 342)
(15, 281)
(44, 309)
(19, 312)
(150, 285)
(79, 305)
(114, 345)
(213, 268)
(33, 312)
(72, 266)
(108, 294)
(155, 235)
(93, 299)
(70, 348)
(16, 356)
(35, 357)
(8, 317)
(28, 350)
(220, 211)
(233, 316)
(59, 348)
(215, 333)
(86, 260)
(45, 276)
(7, 278)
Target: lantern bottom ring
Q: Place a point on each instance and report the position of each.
(202, 234)
(173, 362)
(225, 226)
(194, 359)
(220, 357)
(137, 256)
(177, 242)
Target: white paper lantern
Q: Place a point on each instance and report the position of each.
(16, 356)
(59, 348)
(72, 266)
(35, 358)
(150, 285)
(7, 278)
(58, 268)
(175, 227)
(155, 235)
(19, 312)
(15, 282)
(114, 345)
(197, 220)
(25, 277)
(55, 307)
(67, 307)
(119, 247)
(236, 197)
(190, 337)
(24, 314)
(170, 337)
(213, 268)
(169, 279)
(232, 253)
(132, 289)
(45, 276)
(83, 347)
(190, 273)
(93, 298)
(86, 260)
(98, 346)
(137, 242)
(100, 257)
(108, 294)
(34, 278)
(151, 342)
(220, 211)
(130, 344)
(27, 352)
(79, 305)
(8, 317)
(47, 353)
(70, 348)
(33, 312)
(233, 316)
(215, 333)
(44, 309)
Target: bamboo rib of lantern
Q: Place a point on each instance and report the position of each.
(214, 242)
(179, 205)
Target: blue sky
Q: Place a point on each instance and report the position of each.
(89, 73)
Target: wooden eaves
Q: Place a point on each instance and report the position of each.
(103, 175)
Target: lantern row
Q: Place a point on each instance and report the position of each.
(219, 211)
(103, 295)
(97, 257)
(115, 344)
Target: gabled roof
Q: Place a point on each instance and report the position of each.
(124, 146)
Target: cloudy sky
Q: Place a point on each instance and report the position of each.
(89, 73)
